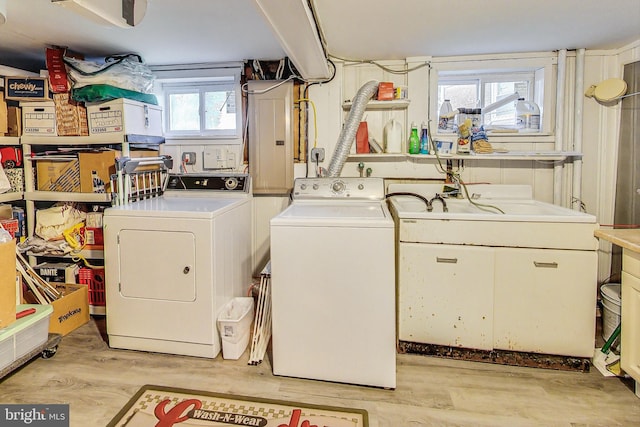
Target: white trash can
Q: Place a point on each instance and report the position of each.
(234, 323)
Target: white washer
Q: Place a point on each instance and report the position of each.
(172, 263)
(333, 283)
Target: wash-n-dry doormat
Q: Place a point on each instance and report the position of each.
(158, 406)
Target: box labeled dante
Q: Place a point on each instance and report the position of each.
(125, 117)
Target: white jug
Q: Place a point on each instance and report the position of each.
(392, 137)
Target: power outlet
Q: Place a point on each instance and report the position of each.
(189, 158)
(317, 154)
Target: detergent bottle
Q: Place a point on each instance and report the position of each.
(392, 137)
(414, 140)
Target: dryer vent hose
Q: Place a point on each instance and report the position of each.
(348, 133)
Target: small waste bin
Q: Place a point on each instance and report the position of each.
(234, 323)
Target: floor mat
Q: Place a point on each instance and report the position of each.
(163, 406)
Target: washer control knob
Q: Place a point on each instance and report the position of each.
(360, 186)
(303, 186)
(338, 186)
(316, 186)
(231, 183)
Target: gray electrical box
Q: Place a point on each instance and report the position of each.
(271, 136)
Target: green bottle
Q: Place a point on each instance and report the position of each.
(414, 140)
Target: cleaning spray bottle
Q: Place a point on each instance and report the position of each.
(424, 139)
(414, 140)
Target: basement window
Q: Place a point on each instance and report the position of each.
(480, 83)
(201, 110)
(201, 101)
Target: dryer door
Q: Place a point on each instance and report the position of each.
(163, 259)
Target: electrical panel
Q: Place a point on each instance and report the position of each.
(271, 136)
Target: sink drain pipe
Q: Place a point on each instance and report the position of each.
(348, 132)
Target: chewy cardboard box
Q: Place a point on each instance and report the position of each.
(71, 311)
(7, 283)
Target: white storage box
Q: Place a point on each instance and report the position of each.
(39, 118)
(124, 117)
(234, 323)
(24, 334)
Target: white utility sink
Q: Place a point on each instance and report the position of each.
(523, 222)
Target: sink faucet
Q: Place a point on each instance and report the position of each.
(439, 197)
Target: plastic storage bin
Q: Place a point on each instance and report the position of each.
(234, 323)
(24, 334)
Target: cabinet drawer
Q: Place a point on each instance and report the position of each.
(631, 262)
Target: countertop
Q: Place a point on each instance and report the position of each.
(625, 238)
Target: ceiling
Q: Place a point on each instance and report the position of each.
(206, 31)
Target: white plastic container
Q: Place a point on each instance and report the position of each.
(610, 294)
(25, 334)
(527, 116)
(392, 137)
(234, 323)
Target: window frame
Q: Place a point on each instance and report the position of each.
(542, 90)
(189, 76)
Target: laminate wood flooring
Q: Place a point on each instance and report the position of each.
(98, 381)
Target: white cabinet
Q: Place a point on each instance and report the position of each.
(446, 295)
(538, 291)
(630, 316)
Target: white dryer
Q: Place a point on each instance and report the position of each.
(172, 263)
(333, 283)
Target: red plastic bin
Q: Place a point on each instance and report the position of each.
(94, 279)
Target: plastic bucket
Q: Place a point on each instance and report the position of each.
(610, 297)
(234, 323)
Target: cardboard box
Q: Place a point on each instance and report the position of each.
(26, 88)
(7, 283)
(39, 118)
(58, 272)
(14, 121)
(4, 116)
(98, 164)
(71, 116)
(58, 175)
(71, 311)
(125, 117)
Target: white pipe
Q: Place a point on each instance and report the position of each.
(577, 130)
(559, 131)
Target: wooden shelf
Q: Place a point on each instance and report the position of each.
(9, 140)
(395, 104)
(11, 197)
(55, 196)
(510, 155)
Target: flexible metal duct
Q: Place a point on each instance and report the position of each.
(348, 133)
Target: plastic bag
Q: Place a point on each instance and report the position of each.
(5, 185)
(100, 93)
(125, 71)
(52, 222)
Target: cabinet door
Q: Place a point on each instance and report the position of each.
(445, 295)
(630, 338)
(545, 301)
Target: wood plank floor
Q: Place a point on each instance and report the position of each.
(98, 381)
